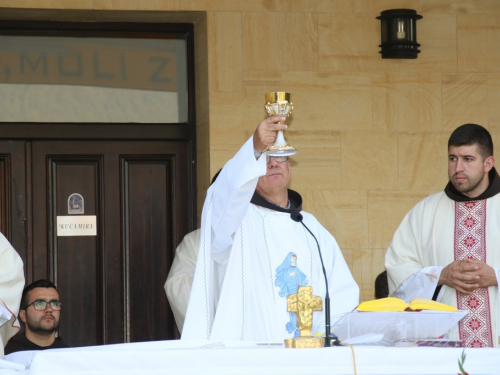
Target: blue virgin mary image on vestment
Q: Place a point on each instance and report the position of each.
(288, 278)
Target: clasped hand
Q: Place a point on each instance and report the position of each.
(468, 275)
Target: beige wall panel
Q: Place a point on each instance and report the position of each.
(423, 161)
(277, 6)
(461, 6)
(261, 42)
(369, 160)
(47, 4)
(316, 166)
(298, 41)
(408, 102)
(280, 6)
(350, 43)
(230, 5)
(494, 102)
(366, 265)
(494, 126)
(354, 265)
(374, 7)
(226, 118)
(437, 34)
(465, 99)
(496, 147)
(333, 6)
(226, 136)
(386, 210)
(478, 41)
(151, 4)
(225, 52)
(261, 78)
(348, 256)
(334, 102)
(343, 213)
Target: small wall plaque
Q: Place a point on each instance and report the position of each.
(76, 204)
(76, 226)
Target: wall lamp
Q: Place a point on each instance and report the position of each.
(399, 34)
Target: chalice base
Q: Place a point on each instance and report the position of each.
(285, 150)
(305, 342)
(280, 147)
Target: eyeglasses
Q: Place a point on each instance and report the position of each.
(279, 159)
(41, 305)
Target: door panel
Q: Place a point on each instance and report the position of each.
(111, 284)
(148, 210)
(76, 262)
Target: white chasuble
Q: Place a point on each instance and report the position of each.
(11, 287)
(251, 258)
(437, 231)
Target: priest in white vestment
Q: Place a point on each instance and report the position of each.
(448, 246)
(11, 288)
(252, 255)
(180, 277)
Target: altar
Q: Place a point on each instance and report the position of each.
(243, 358)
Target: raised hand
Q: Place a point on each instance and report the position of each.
(265, 134)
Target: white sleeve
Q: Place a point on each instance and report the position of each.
(403, 259)
(180, 278)
(11, 287)
(421, 284)
(407, 274)
(231, 195)
(497, 274)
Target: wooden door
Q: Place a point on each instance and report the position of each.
(111, 284)
(135, 172)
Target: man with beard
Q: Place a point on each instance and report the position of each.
(447, 246)
(40, 312)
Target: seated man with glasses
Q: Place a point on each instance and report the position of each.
(40, 312)
(253, 253)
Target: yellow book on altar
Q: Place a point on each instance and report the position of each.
(396, 304)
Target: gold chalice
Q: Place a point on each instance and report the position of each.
(278, 103)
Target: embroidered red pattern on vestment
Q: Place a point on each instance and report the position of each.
(470, 242)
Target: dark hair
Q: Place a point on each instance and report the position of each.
(470, 134)
(381, 286)
(43, 283)
(215, 176)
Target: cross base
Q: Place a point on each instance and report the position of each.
(305, 342)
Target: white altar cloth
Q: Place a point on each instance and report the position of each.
(230, 358)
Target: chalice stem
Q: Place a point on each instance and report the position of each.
(280, 139)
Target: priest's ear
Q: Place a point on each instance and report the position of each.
(489, 163)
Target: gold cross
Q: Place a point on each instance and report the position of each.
(303, 304)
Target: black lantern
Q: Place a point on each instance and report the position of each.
(399, 34)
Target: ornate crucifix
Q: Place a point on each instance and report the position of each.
(303, 304)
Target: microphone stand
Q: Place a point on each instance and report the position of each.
(329, 339)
